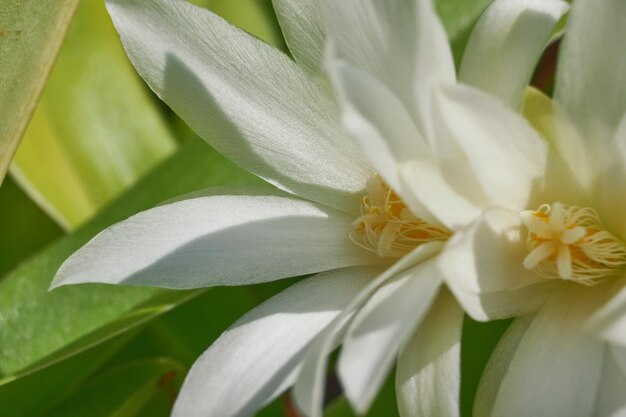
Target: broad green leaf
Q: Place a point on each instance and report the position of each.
(95, 131)
(459, 18)
(122, 391)
(23, 226)
(35, 394)
(35, 323)
(31, 32)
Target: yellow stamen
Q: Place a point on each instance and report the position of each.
(570, 243)
(386, 225)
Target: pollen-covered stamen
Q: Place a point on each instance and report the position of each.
(570, 243)
(386, 225)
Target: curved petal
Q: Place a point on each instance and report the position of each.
(428, 374)
(548, 118)
(506, 44)
(611, 401)
(555, 368)
(303, 29)
(401, 43)
(508, 156)
(378, 330)
(610, 185)
(243, 369)
(609, 321)
(248, 100)
(310, 383)
(498, 364)
(483, 266)
(591, 75)
(217, 240)
(447, 188)
(379, 123)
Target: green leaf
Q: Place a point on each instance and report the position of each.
(31, 32)
(122, 391)
(36, 393)
(96, 129)
(35, 323)
(23, 224)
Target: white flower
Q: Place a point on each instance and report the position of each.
(551, 236)
(392, 68)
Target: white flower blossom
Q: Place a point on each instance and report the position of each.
(551, 237)
(354, 204)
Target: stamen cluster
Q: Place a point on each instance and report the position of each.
(386, 225)
(570, 243)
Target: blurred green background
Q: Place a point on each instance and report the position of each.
(97, 146)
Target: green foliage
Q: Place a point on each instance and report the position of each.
(95, 130)
(31, 32)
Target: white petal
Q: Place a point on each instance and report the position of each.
(248, 100)
(498, 364)
(611, 398)
(377, 121)
(243, 368)
(609, 322)
(447, 188)
(303, 29)
(506, 44)
(217, 240)
(309, 386)
(554, 124)
(402, 43)
(484, 267)
(555, 369)
(591, 77)
(610, 185)
(428, 373)
(509, 157)
(378, 330)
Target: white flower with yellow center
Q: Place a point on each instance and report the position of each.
(346, 212)
(551, 239)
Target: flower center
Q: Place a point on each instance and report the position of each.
(570, 243)
(387, 227)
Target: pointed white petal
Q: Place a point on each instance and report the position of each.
(217, 240)
(309, 386)
(248, 100)
(484, 267)
(401, 43)
(551, 120)
(447, 188)
(428, 373)
(378, 122)
(379, 329)
(619, 355)
(243, 368)
(555, 369)
(509, 157)
(591, 77)
(611, 398)
(609, 321)
(303, 29)
(610, 184)
(506, 44)
(498, 364)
